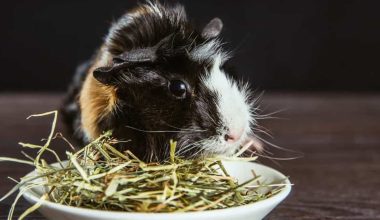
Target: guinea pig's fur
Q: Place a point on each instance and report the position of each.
(157, 78)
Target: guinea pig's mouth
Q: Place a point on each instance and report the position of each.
(214, 145)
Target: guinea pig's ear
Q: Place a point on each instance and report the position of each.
(105, 75)
(213, 28)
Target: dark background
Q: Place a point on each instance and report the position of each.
(279, 45)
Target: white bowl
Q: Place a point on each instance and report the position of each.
(238, 169)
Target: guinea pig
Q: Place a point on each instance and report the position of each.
(156, 77)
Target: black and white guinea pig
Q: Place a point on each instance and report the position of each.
(157, 78)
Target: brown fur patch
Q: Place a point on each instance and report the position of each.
(96, 100)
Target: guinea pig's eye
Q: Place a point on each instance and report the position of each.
(178, 88)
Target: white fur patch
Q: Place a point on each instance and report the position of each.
(232, 105)
(208, 51)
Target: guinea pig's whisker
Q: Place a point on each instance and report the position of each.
(159, 131)
(270, 158)
(251, 153)
(270, 115)
(267, 152)
(189, 147)
(275, 158)
(184, 129)
(194, 145)
(202, 152)
(207, 145)
(260, 130)
(280, 148)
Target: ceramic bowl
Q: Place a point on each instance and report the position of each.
(239, 169)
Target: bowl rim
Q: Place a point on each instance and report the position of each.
(31, 195)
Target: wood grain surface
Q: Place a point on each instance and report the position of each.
(338, 176)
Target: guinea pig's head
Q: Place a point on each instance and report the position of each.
(168, 80)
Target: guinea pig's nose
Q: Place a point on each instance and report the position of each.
(232, 136)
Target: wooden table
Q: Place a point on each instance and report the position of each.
(339, 134)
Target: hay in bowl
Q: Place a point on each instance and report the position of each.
(100, 182)
(238, 169)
